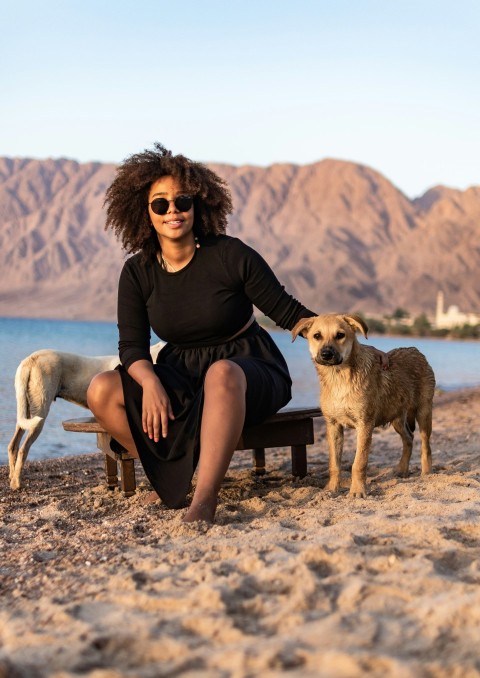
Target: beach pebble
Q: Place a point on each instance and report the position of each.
(44, 556)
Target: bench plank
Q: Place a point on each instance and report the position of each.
(291, 427)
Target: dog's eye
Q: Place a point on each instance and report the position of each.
(340, 335)
(317, 336)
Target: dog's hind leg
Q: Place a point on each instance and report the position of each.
(16, 473)
(13, 446)
(404, 427)
(424, 418)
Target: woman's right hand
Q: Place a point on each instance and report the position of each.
(156, 408)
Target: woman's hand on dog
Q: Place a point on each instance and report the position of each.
(381, 357)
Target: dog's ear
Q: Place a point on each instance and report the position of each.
(302, 327)
(357, 323)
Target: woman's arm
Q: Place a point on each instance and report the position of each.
(262, 286)
(134, 350)
(132, 315)
(266, 293)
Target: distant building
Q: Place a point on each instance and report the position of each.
(452, 317)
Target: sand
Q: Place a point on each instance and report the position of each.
(289, 581)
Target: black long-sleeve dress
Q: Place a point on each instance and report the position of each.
(196, 310)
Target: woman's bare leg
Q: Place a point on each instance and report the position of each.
(222, 423)
(105, 399)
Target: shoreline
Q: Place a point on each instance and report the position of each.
(289, 580)
(267, 326)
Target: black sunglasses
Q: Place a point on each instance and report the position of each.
(183, 203)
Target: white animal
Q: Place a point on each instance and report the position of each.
(40, 378)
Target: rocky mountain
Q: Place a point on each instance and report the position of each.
(339, 235)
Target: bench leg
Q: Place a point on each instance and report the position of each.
(110, 463)
(111, 477)
(299, 460)
(259, 461)
(127, 477)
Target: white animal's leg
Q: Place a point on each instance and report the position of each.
(358, 487)
(424, 418)
(13, 446)
(406, 434)
(32, 435)
(335, 449)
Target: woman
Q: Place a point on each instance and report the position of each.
(195, 287)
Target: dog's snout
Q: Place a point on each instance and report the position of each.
(327, 352)
(328, 355)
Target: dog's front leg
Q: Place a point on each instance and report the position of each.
(358, 487)
(335, 449)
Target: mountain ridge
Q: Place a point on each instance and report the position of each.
(339, 235)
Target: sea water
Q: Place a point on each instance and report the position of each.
(456, 365)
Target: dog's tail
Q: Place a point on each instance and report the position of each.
(22, 377)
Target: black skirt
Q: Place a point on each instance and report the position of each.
(170, 463)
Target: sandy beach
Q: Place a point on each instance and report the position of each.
(288, 581)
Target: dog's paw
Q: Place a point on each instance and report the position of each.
(333, 486)
(15, 483)
(401, 471)
(426, 467)
(358, 491)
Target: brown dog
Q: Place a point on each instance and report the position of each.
(356, 392)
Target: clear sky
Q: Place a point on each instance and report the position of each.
(393, 84)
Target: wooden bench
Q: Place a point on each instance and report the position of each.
(291, 427)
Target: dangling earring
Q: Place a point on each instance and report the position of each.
(197, 244)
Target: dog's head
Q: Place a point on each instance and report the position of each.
(330, 337)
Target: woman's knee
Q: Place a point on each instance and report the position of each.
(104, 388)
(227, 375)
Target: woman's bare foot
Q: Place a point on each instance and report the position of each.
(149, 498)
(201, 510)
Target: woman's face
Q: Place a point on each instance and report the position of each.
(174, 224)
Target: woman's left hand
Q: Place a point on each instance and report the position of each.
(381, 357)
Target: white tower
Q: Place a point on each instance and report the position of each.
(440, 309)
